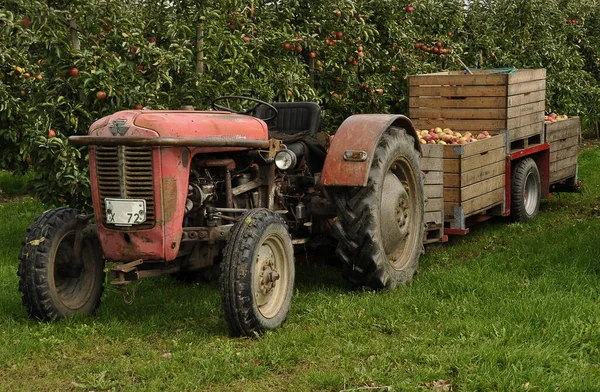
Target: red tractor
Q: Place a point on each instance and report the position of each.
(176, 192)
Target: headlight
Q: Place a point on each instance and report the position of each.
(285, 159)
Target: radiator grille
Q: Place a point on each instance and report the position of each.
(126, 173)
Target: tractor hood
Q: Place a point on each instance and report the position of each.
(180, 124)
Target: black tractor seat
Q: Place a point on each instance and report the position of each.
(292, 117)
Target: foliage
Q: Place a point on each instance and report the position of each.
(350, 56)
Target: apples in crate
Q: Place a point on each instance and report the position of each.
(553, 117)
(448, 136)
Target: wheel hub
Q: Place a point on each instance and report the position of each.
(268, 274)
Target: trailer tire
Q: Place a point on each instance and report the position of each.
(379, 252)
(257, 273)
(526, 191)
(51, 286)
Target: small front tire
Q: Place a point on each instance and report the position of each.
(257, 273)
(51, 284)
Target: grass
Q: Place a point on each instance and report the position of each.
(509, 307)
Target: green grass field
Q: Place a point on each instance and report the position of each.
(510, 307)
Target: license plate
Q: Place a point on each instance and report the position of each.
(125, 212)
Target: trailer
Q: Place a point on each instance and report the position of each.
(505, 174)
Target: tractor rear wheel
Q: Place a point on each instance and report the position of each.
(53, 285)
(526, 191)
(257, 273)
(380, 226)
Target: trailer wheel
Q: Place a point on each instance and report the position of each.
(380, 226)
(526, 190)
(51, 284)
(257, 276)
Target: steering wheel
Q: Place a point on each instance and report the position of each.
(248, 111)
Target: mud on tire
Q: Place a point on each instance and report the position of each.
(52, 287)
(380, 226)
(257, 273)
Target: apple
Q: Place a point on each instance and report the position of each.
(410, 9)
(338, 13)
(299, 49)
(447, 138)
(435, 136)
(438, 130)
(29, 161)
(51, 133)
(417, 45)
(290, 93)
(427, 137)
(38, 77)
(74, 72)
(312, 55)
(457, 134)
(137, 106)
(134, 50)
(288, 46)
(359, 48)
(422, 141)
(438, 44)
(448, 131)
(436, 50)
(481, 136)
(26, 75)
(339, 35)
(101, 95)
(26, 22)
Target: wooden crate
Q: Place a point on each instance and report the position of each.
(484, 101)
(563, 137)
(432, 165)
(474, 179)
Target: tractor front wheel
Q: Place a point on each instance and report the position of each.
(380, 226)
(257, 273)
(53, 283)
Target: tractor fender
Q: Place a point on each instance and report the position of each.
(350, 155)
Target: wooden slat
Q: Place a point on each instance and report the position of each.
(460, 91)
(525, 87)
(474, 161)
(564, 153)
(526, 131)
(562, 129)
(527, 119)
(564, 143)
(434, 204)
(435, 217)
(461, 125)
(464, 102)
(452, 195)
(432, 151)
(433, 191)
(528, 108)
(429, 164)
(452, 180)
(525, 98)
(484, 201)
(462, 80)
(433, 178)
(474, 148)
(485, 186)
(525, 75)
(563, 174)
(567, 162)
(465, 114)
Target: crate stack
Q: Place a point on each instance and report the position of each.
(489, 100)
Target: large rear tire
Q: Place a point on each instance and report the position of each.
(380, 226)
(257, 275)
(526, 189)
(51, 284)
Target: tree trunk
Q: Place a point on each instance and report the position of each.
(199, 50)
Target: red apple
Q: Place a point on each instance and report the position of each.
(438, 44)
(26, 22)
(26, 75)
(74, 72)
(51, 133)
(410, 9)
(339, 35)
(312, 55)
(245, 38)
(137, 106)
(288, 46)
(101, 95)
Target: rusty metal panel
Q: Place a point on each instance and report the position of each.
(359, 133)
